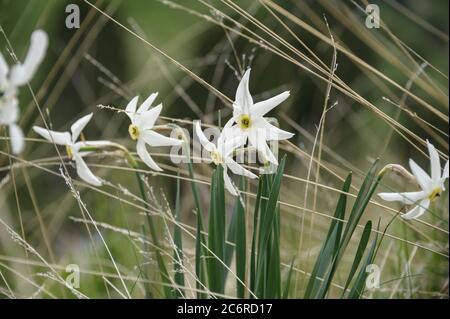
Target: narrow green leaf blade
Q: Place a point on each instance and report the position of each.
(178, 241)
(267, 225)
(330, 247)
(359, 253)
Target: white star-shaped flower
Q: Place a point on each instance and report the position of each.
(248, 120)
(10, 81)
(222, 155)
(431, 186)
(75, 150)
(142, 121)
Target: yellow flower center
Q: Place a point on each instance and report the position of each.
(69, 152)
(435, 193)
(134, 132)
(216, 157)
(244, 121)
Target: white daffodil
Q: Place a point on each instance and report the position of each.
(431, 186)
(222, 155)
(142, 121)
(11, 79)
(75, 150)
(248, 120)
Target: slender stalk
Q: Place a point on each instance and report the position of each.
(162, 267)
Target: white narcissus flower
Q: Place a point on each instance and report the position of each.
(142, 122)
(11, 79)
(222, 155)
(75, 150)
(431, 186)
(248, 120)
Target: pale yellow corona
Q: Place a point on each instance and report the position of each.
(244, 121)
(435, 193)
(216, 157)
(134, 132)
(69, 151)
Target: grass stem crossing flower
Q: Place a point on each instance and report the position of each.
(75, 150)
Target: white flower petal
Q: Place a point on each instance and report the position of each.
(155, 139)
(22, 73)
(237, 111)
(230, 144)
(4, 69)
(145, 156)
(435, 163)
(417, 211)
(273, 133)
(9, 111)
(263, 107)
(130, 110)
(422, 177)
(60, 138)
(444, 177)
(258, 141)
(405, 198)
(229, 124)
(147, 103)
(238, 169)
(231, 131)
(17, 139)
(79, 125)
(229, 184)
(244, 100)
(208, 145)
(146, 120)
(445, 173)
(84, 172)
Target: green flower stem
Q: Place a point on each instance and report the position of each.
(200, 266)
(126, 153)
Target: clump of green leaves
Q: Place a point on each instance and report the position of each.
(338, 238)
(215, 251)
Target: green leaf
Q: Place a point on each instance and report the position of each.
(200, 242)
(364, 195)
(178, 241)
(273, 269)
(325, 268)
(359, 253)
(288, 281)
(211, 259)
(241, 244)
(231, 237)
(266, 229)
(216, 233)
(200, 255)
(360, 281)
(330, 247)
(256, 220)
